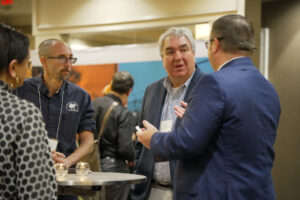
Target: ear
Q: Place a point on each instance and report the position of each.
(12, 68)
(129, 91)
(216, 45)
(43, 60)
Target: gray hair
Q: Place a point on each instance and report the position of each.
(177, 32)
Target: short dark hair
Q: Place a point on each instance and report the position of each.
(14, 45)
(122, 82)
(235, 33)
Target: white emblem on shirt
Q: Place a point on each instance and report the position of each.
(72, 106)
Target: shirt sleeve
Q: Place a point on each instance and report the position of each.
(87, 122)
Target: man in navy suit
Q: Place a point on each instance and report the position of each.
(177, 49)
(224, 143)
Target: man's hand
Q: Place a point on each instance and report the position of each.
(145, 135)
(133, 137)
(57, 157)
(179, 111)
(61, 158)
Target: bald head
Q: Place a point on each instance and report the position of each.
(46, 46)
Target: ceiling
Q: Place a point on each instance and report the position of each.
(18, 15)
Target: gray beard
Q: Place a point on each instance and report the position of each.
(63, 78)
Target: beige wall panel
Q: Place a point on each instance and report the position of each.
(253, 13)
(167, 22)
(282, 18)
(106, 15)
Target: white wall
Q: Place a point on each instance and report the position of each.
(120, 54)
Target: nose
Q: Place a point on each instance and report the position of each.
(177, 55)
(69, 62)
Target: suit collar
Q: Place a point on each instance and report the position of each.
(196, 77)
(198, 74)
(160, 99)
(168, 84)
(161, 93)
(237, 61)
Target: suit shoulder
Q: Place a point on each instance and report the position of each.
(156, 84)
(211, 79)
(199, 72)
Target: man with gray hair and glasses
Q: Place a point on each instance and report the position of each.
(224, 144)
(67, 109)
(177, 49)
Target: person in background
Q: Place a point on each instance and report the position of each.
(224, 144)
(26, 167)
(116, 146)
(66, 108)
(177, 49)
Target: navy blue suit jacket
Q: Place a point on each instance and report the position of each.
(224, 144)
(152, 106)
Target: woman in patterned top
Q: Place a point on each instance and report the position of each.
(26, 166)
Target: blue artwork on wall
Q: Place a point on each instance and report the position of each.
(145, 73)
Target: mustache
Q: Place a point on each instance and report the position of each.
(66, 70)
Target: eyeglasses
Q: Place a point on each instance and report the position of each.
(207, 43)
(64, 60)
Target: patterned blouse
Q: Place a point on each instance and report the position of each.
(26, 166)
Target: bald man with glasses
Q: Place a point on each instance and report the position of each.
(66, 108)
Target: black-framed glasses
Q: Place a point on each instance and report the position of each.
(64, 60)
(208, 43)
